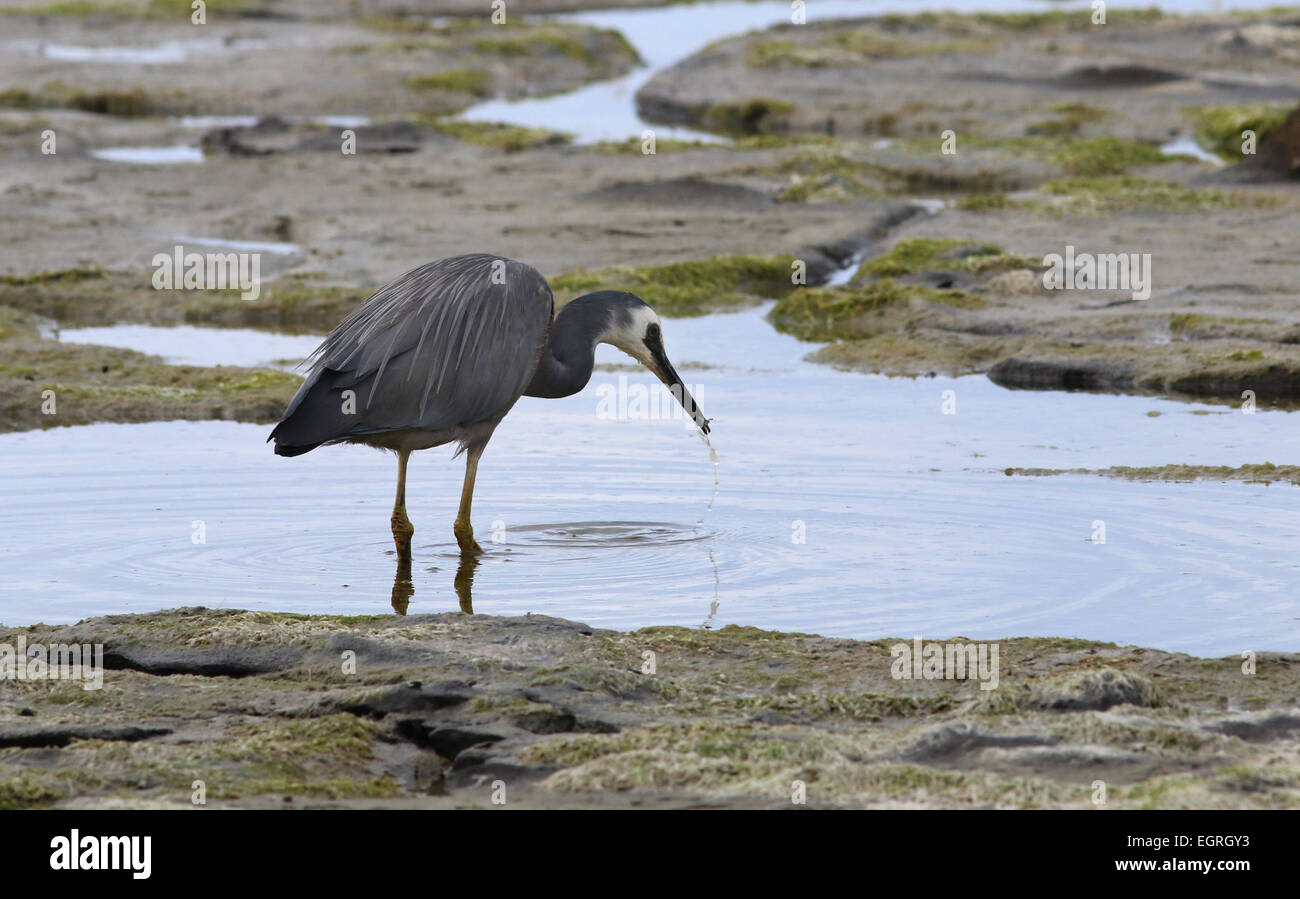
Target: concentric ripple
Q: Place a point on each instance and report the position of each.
(600, 534)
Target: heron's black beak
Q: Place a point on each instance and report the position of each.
(664, 370)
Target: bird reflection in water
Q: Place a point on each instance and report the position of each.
(463, 583)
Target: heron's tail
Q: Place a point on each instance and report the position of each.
(284, 449)
(314, 417)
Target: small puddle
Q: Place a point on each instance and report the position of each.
(189, 345)
(1185, 146)
(217, 121)
(158, 54)
(162, 53)
(174, 155)
(246, 246)
(932, 205)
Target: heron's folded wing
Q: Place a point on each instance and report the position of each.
(450, 343)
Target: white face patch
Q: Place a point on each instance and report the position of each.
(628, 333)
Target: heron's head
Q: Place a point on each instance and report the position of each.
(636, 330)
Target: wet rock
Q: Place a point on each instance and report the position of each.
(63, 734)
(448, 741)
(679, 192)
(545, 702)
(1061, 374)
(474, 769)
(409, 698)
(386, 137)
(1099, 77)
(748, 116)
(546, 721)
(1271, 382)
(1265, 36)
(274, 135)
(951, 741)
(221, 661)
(373, 652)
(1259, 729)
(271, 134)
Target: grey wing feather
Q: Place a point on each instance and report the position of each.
(450, 343)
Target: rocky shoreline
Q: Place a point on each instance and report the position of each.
(450, 710)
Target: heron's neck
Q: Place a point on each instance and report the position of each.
(570, 353)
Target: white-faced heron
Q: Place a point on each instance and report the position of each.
(441, 354)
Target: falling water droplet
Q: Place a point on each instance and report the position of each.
(713, 458)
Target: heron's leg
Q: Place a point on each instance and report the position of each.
(402, 528)
(402, 586)
(463, 529)
(464, 582)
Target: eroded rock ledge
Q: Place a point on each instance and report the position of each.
(265, 710)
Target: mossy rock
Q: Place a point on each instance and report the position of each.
(476, 82)
(1111, 194)
(694, 287)
(756, 115)
(510, 138)
(1219, 128)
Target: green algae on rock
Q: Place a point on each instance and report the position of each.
(476, 82)
(1110, 194)
(294, 303)
(1266, 473)
(693, 287)
(606, 51)
(926, 254)
(731, 717)
(46, 383)
(849, 312)
(129, 103)
(756, 115)
(510, 138)
(1220, 128)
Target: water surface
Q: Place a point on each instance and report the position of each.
(909, 525)
(847, 504)
(189, 345)
(666, 35)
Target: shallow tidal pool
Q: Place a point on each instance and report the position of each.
(847, 504)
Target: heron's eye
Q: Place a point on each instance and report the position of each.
(652, 336)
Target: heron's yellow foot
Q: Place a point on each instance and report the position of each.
(403, 530)
(464, 532)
